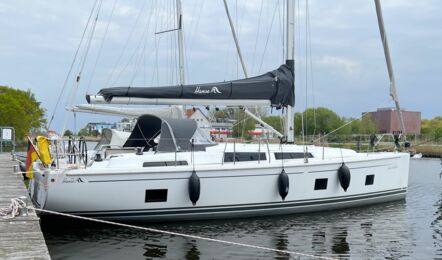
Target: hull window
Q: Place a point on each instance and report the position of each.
(369, 180)
(156, 195)
(321, 184)
(284, 156)
(166, 163)
(244, 157)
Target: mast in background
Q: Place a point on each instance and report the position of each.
(393, 92)
(290, 61)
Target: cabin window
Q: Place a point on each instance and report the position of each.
(159, 195)
(321, 184)
(283, 156)
(244, 157)
(164, 163)
(369, 179)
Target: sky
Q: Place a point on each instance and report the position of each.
(340, 66)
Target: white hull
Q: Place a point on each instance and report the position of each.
(117, 190)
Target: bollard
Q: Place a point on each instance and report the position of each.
(24, 211)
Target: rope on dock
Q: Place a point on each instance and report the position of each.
(18, 204)
(13, 209)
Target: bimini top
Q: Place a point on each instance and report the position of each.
(276, 86)
(176, 135)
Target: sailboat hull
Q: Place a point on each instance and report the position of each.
(226, 190)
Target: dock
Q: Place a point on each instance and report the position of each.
(20, 237)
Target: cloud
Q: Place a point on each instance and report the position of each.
(340, 64)
(39, 39)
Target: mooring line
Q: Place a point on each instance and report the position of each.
(18, 203)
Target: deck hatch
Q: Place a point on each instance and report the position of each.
(164, 163)
(157, 195)
(321, 184)
(244, 157)
(284, 156)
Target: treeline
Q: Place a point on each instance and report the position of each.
(20, 110)
(322, 120)
(315, 121)
(432, 127)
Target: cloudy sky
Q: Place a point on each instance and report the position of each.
(346, 69)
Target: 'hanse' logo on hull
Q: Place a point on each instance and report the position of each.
(213, 90)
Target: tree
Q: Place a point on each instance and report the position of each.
(20, 110)
(275, 121)
(243, 124)
(367, 125)
(83, 132)
(68, 133)
(432, 127)
(320, 120)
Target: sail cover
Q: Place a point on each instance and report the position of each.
(276, 86)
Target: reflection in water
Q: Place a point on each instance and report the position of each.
(340, 245)
(193, 253)
(318, 242)
(153, 250)
(281, 244)
(436, 226)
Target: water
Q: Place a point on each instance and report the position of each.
(410, 229)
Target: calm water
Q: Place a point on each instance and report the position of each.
(410, 229)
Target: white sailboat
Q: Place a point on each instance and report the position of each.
(171, 171)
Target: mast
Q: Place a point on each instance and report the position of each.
(290, 61)
(180, 48)
(180, 42)
(393, 92)
(238, 49)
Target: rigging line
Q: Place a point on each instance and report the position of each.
(281, 28)
(311, 69)
(195, 29)
(298, 10)
(101, 45)
(82, 64)
(139, 57)
(136, 54)
(348, 123)
(268, 36)
(89, 41)
(72, 65)
(125, 44)
(257, 37)
(236, 25)
(284, 17)
(306, 71)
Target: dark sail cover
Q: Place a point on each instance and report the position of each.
(276, 86)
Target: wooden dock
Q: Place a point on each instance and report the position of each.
(20, 237)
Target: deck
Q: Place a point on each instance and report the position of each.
(21, 237)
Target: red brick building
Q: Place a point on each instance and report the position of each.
(386, 120)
